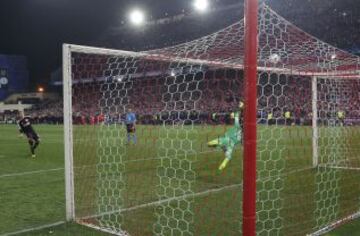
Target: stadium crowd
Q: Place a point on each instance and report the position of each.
(204, 98)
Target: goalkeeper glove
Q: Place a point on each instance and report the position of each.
(241, 105)
(213, 143)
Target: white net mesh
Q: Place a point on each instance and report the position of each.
(168, 182)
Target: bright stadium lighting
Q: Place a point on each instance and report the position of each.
(137, 17)
(40, 89)
(201, 5)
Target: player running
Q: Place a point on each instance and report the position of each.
(26, 128)
(231, 138)
(130, 126)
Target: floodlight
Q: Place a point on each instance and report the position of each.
(137, 17)
(201, 5)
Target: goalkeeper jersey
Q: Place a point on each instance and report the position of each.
(234, 135)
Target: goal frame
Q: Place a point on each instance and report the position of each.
(68, 49)
(68, 131)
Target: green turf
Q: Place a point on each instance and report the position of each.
(32, 191)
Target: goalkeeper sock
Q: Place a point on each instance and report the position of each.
(224, 164)
(31, 143)
(35, 145)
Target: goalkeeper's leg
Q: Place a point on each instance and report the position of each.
(228, 155)
(134, 138)
(33, 145)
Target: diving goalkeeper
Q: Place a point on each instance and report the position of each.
(231, 138)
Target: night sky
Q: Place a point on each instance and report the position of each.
(37, 28)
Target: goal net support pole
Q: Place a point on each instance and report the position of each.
(250, 72)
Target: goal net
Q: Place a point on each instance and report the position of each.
(166, 180)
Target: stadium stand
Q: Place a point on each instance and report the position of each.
(218, 88)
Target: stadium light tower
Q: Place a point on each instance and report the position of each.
(201, 5)
(137, 17)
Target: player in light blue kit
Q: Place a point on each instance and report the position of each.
(130, 121)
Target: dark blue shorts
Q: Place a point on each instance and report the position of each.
(130, 128)
(32, 136)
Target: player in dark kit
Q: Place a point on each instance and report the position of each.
(25, 128)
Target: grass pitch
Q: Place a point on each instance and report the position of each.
(32, 191)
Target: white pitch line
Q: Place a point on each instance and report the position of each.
(155, 203)
(340, 167)
(199, 194)
(42, 142)
(335, 224)
(30, 172)
(129, 161)
(34, 228)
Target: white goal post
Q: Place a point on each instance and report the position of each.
(68, 115)
(68, 135)
(315, 136)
